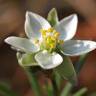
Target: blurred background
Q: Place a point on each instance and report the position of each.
(12, 17)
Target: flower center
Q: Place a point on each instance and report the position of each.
(50, 39)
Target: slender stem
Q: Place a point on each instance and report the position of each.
(33, 82)
(81, 92)
(55, 87)
(49, 88)
(66, 89)
(79, 64)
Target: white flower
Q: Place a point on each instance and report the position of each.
(44, 40)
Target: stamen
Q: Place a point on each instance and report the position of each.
(56, 34)
(50, 39)
(61, 41)
(50, 29)
(52, 46)
(43, 32)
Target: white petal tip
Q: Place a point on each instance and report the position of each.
(7, 40)
(27, 13)
(74, 17)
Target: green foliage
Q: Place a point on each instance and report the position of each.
(33, 82)
(80, 92)
(66, 90)
(80, 62)
(58, 79)
(5, 90)
(92, 94)
(66, 70)
(49, 89)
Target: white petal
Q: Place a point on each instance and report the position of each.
(33, 24)
(67, 27)
(47, 60)
(22, 44)
(78, 47)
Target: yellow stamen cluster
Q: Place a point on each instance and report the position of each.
(50, 38)
(50, 42)
(50, 29)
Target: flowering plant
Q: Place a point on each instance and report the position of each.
(48, 43)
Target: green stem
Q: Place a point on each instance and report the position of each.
(80, 92)
(79, 64)
(49, 89)
(54, 84)
(33, 82)
(66, 89)
(55, 89)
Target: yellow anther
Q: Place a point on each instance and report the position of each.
(43, 32)
(52, 45)
(44, 35)
(61, 41)
(51, 39)
(56, 34)
(48, 39)
(50, 29)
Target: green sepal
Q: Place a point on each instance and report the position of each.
(52, 17)
(25, 59)
(66, 70)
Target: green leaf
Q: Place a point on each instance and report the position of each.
(58, 79)
(49, 89)
(66, 90)
(66, 70)
(33, 82)
(26, 59)
(92, 94)
(80, 92)
(52, 17)
(5, 90)
(79, 64)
